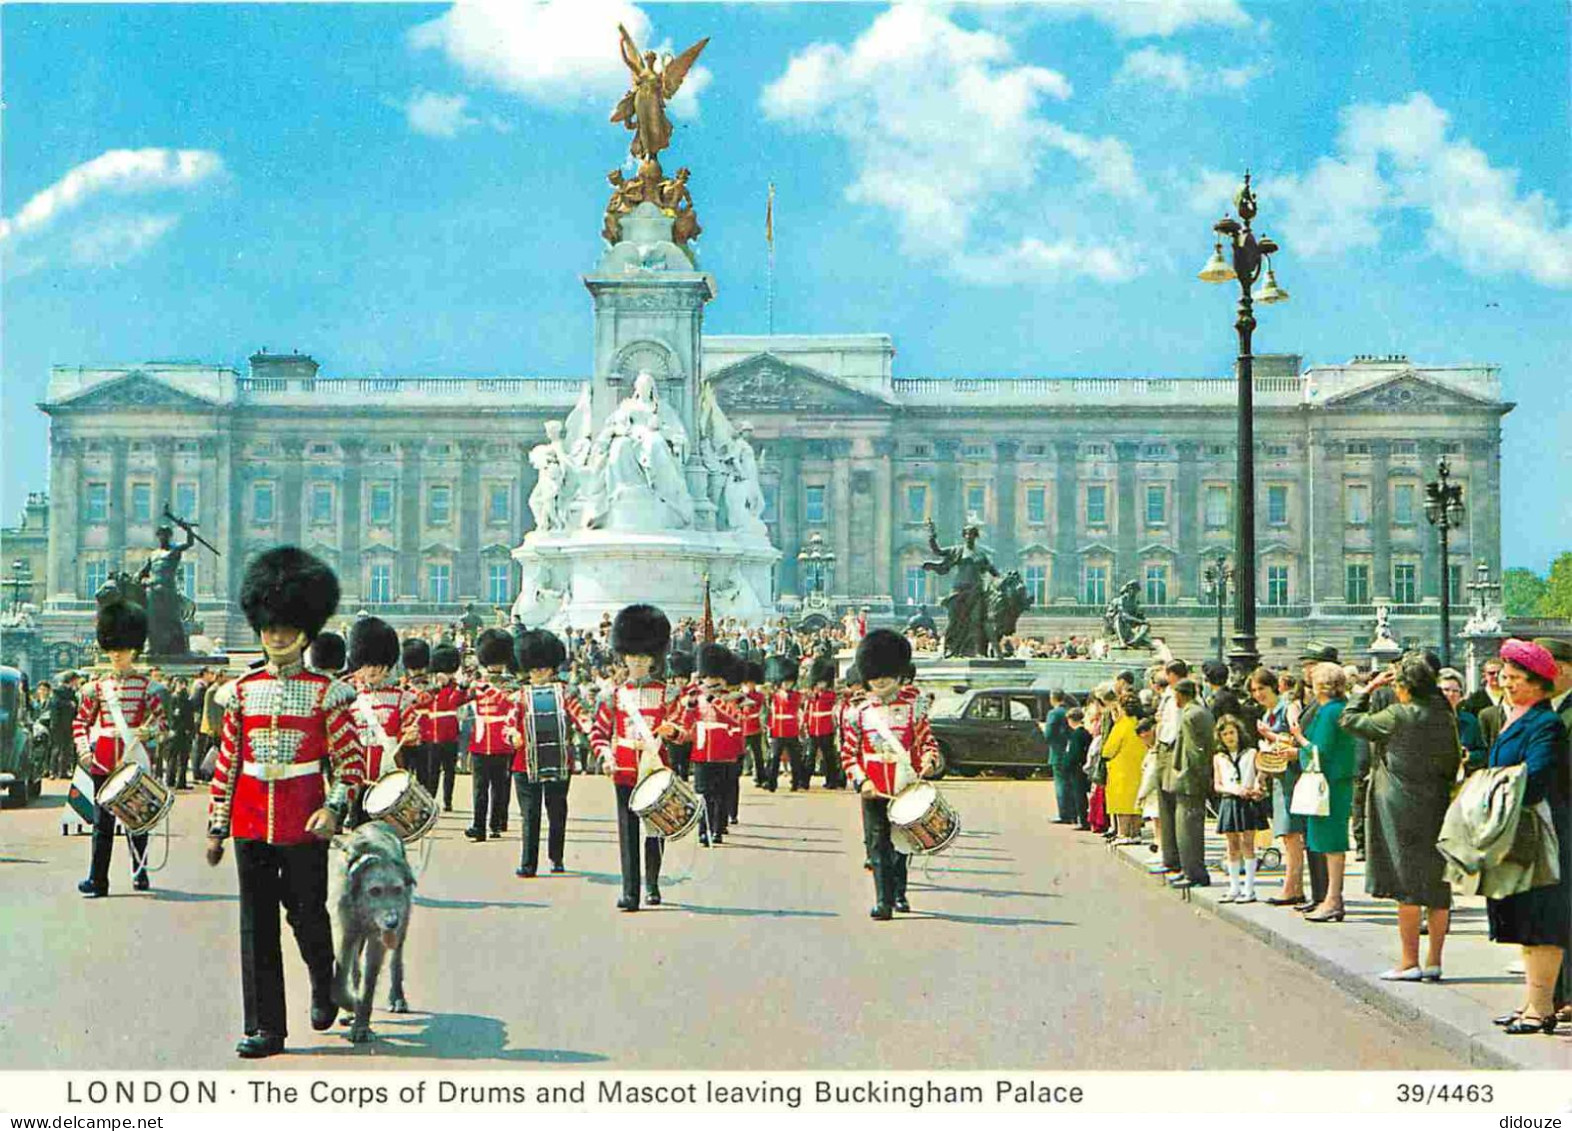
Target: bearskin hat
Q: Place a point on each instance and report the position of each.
(541, 649)
(822, 671)
(780, 669)
(287, 587)
(494, 649)
(736, 669)
(679, 665)
(326, 653)
(853, 676)
(883, 654)
(754, 672)
(122, 625)
(445, 658)
(372, 644)
(714, 661)
(417, 655)
(910, 674)
(640, 630)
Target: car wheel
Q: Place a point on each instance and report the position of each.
(38, 789)
(941, 763)
(1021, 773)
(16, 794)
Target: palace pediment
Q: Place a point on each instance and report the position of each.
(1407, 392)
(766, 383)
(136, 389)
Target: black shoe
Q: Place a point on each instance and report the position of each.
(323, 1013)
(902, 906)
(556, 866)
(704, 840)
(257, 1045)
(476, 835)
(500, 830)
(92, 890)
(881, 912)
(525, 873)
(1505, 1019)
(628, 903)
(652, 897)
(1527, 1024)
(140, 882)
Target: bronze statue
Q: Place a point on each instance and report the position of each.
(643, 108)
(966, 633)
(1125, 621)
(677, 202)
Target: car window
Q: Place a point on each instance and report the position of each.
(1020, 711)
(986, 707)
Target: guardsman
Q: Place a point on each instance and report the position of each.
(446, 699)
(821, 718)
(679, 673)
(113, 712)
(708, 716)
(852, 690)
(888, 746)
(753, 719)
(491, 746)
(736, 741)
(632, 721)
(546, 713)
(289, 764)
(384, 709)
(785, 719)
(416, 656)
(327, 654)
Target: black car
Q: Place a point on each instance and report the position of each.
(992, 728)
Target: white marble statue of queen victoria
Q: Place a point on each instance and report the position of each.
(634, 478)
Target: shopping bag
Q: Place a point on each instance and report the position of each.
(1312, 796)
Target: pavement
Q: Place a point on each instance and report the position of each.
(1455, 1012)
(1030, 947)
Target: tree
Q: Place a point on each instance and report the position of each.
(1556, 599)
(1521, 590)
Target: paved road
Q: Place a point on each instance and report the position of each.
(1030, 948)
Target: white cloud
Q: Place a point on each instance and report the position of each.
(1138, 19)
(946, 132)
(1173, 71)
(117, 171)
(118, 239)
(445, 115)
(551, 53)
(1400, 159)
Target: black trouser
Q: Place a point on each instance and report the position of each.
(759, 744)
(1168, 829)
(889, 866)
(104, 843)
(733, 789)
(63, 751)
(815, 746)
(1190, 833)
(709, 779)
(783, 750)
(1319, 880)
(555, 796)
(292, 876)
(421, 760)
(681, 758)
(830, 764)
(177, 756)
(204, 743)
(489, 787)
(630, 831)
(1361, 795)
(444, 765)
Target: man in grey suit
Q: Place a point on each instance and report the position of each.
(1189, 780)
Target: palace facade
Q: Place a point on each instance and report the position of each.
(416, 488)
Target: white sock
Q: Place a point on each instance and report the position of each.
(1233, 876)
(1249, 869)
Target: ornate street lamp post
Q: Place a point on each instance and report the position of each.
(817, 558)
(1249, 254)
(1444, 509)
(21, 578)
(1217, 576)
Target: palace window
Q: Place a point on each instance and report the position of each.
(1357, 447)
(1356, 583)
(813, 505)
(380, 589)
(382, 504)
(94, 575)
(321, 504)
(916, 585)
(498, 503)
(497, 583)
(141, 502)
(188, 578)
(1403, 497)
(1405, 448)
(1094, 451)
(1276, 451)
(974, 451)
(1357, 509)
(96, 502)
(1456, 594)
(1277, 506)
(1036, 449)
(1097, 505)
(1216, 506)
(1216, 451)
(1452, 448)
(321, 449)
(916, 502)
(439, 505)
(1156, 585)
(262, 503)
(1154, 451)
(1405, 583)
(439, 584)
(1036, 578)
(976, 501)
(186, 499)
(1156, 507)
(772, 501)
(1036, 506)
(919, 451)
(1096, 585)
(1277, 585)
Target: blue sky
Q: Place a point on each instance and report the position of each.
(1005, 189)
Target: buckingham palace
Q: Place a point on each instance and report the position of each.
(415, 487)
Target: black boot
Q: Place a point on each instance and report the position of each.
(257, 1045)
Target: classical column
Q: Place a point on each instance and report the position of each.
(1187, 518)
(352, 578)
(210, 582)
(466, 581)
(886, 564)
(230, 514)
(1429, 536)
(293, 482)
(788, 499)
(1484, 485)
(1005, 479)
(1067, 510)
(118, 490)
(65, 489)
(1125, 539)
(409, 520)
(1380, 522)
(163, 480)
(949, 512)
(1326, 523)
(527, 477)
(840, 514)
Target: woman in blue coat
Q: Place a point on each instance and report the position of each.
(1334, 748)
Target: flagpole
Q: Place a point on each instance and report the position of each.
(769, 238)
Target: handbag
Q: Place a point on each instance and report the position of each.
(1312, 796)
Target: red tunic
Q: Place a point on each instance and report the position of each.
(715, 722)
(391, 708)
(288, 732)
(615, 736)
(424, 691)
(785, 713)
(93, 730)
(574, 713)
(492, 697)
(819, 710)
(446, 701)
(867, 751)
(752, 708)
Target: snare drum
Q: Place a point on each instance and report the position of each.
(922, 822)
(666, 803)
(402, 802)
(136, 798)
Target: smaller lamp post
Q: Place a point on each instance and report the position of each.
(818, 558)
(1217, 576)
(21, 579)
(1444, 510)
